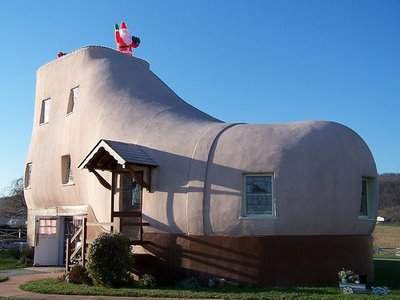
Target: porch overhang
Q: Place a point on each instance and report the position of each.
(118, 157)
(118, 153)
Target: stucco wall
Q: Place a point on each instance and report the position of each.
(317, 165)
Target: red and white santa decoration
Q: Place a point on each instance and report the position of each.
(125, 41)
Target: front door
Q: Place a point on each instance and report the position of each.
(47, 241)
(131, 201)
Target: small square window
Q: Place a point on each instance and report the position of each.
(258, 195)
(66, 171)
(47, 226)
(45, 111)
(28, 172)
(73, 97)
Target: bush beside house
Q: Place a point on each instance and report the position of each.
(110, 260)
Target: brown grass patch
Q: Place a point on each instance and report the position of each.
(386, 236)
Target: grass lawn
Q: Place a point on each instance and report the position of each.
(387, 273)
(8, 262)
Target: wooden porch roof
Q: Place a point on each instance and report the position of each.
(107, 154)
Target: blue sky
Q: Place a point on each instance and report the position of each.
(250, 61)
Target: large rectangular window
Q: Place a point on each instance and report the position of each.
(66, 171)
(131, 193)
(45, 111)
(73, 97)
(28, 172)
(364, 207)
(258, 195)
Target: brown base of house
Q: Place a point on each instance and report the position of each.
(261, 261)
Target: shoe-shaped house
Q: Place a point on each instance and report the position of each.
(266, 204)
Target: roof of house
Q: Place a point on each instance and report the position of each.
(124, 153)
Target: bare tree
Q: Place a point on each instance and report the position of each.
(14, 204)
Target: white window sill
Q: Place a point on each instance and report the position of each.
(68, 183)
(70, 113)
(366, 218)
(28, 188)
(257, 217)
(44, 123)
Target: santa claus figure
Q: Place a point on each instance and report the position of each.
(125, 41)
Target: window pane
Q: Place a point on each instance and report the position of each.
(259, 184)
(28, 171)
(364, 198)
(259, 204)
(66, 169)
(136, 194)
(45, 111)
(73, 96)
(47, 226)
(259, 195)
(75, 92)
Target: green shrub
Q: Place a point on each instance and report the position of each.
(27, 252)
(14, 252)
(78, 275)
(110, 260)
(148, 280)
(24, 256)
(25, 261)
(189, 283)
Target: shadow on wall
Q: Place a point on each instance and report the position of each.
(172, 177)
(263, 261)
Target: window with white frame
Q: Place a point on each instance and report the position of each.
(258, 195)
(47, 226)
(45, 111)
(73, 97)
(365, 191)
(66, 171)
(28, 172)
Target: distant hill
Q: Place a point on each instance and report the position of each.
(389, 196)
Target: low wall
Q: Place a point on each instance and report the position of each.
(262, 261)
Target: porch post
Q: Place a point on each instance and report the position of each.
(112, 199)
(84, 237)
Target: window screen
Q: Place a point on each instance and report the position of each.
(258, 195)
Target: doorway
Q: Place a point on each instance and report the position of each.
(131, 201)
(51, 233)
(48, 241)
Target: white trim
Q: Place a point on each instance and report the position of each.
(108, 148)
(366, 218)
(258, 217)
